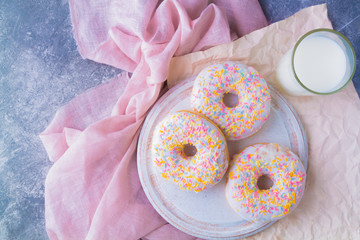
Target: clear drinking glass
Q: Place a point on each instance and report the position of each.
(321, 62)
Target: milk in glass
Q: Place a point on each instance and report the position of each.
(319, 64)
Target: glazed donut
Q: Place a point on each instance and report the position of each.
(175, 141)
(253, 108)
(272, 161)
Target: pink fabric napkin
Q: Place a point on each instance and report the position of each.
(93, 191)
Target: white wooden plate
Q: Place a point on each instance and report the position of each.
(207, 214)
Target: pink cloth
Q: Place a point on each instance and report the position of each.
(93, 191)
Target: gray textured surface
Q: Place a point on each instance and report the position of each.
(41, 70)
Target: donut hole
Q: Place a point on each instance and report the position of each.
(264, 182)
(189, 150)
(230, 99)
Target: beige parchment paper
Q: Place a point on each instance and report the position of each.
(330, 208)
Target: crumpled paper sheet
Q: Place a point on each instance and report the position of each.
(330, 208)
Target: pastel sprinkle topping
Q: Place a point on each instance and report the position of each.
(274, 161)
(196, 173)
(253, 93)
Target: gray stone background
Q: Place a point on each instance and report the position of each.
(41, 70)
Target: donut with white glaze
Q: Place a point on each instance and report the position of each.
(275, 162)
(251, 90)
(182, 130)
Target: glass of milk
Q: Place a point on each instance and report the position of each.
(321, 62)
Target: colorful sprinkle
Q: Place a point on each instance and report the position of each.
(277, 162)
(253, 94)
(206, 167)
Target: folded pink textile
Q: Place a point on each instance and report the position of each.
(93, 191)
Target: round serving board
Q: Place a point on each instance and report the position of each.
(207, 214)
